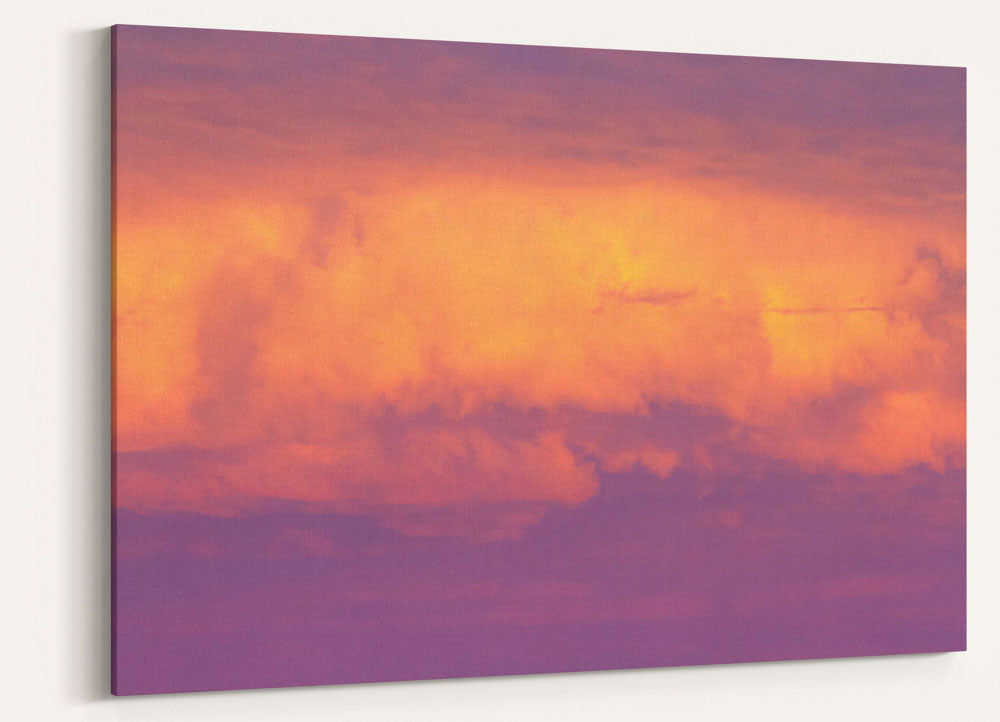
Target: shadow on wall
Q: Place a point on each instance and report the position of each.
(87, 136)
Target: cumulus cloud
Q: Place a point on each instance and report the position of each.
(332, 326)
(464, 296)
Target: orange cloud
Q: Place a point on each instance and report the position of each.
(286, 294)
(398, 480)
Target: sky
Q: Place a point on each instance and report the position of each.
(442, 359)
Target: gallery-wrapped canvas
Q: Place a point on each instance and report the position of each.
(440, 359)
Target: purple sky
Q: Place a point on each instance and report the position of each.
(638, 576)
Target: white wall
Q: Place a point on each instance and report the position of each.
(55, 361)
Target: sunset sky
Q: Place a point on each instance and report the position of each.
(448, 359)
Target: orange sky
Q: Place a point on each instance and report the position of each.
(310, 252)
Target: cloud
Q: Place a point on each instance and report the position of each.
(404, 482)
(328, 289)
(467, 293)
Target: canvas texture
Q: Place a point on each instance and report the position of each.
(439, 359)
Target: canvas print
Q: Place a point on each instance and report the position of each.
(442, 359)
